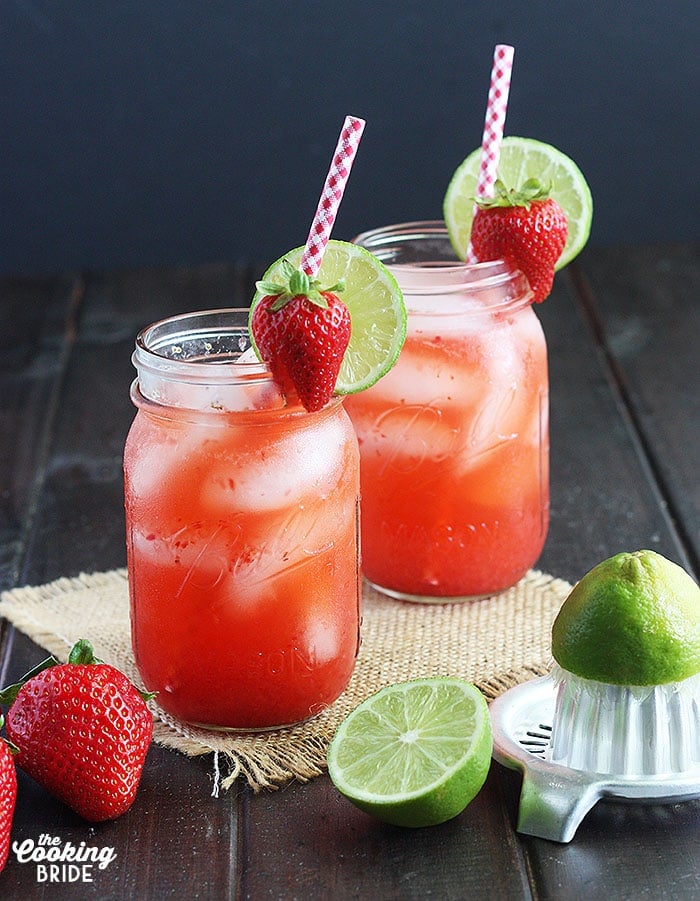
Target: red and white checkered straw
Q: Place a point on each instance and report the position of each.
(493, 124)
(331, 195)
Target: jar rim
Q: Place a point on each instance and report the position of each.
(455, 275)
(200, 346)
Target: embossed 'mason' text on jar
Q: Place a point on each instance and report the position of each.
(454, 441)
(241, 532)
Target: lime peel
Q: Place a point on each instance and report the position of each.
(414, 753)
(633, 619)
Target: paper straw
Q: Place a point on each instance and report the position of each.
(493, 124)
(331, 195)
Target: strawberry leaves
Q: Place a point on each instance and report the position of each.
(529, 191)
(298, 283)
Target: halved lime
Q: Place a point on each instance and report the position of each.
(633, 619)
(376, 306)
(522, 158)
(415, 753)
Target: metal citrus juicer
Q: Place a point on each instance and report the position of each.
(578, 740)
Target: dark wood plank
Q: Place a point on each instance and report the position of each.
(620, 851)
(644, 301)
(35, 339)
(309, 842)
(175, 842)
(605, 497)
(81, 523)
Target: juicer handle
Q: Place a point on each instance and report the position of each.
(553, 804)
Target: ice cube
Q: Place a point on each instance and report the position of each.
(248, 356)
(278, 475)
(431, 374)
(321, 639)
(157, 455)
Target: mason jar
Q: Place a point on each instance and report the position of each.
(454, 440)
(242, 536)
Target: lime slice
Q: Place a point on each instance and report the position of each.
(376, 306)
(522, 158)
(633, 619)
(415, 753)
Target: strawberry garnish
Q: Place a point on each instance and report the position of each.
(82, 730)
(8, 795)
(527, 228)
(302, 332)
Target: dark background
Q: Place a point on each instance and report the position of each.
(159, 132)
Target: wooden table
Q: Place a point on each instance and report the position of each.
(623, 327)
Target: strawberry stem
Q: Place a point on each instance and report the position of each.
(82, 652)
(297, 284)
(530, 191)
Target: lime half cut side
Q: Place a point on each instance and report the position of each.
(376, 306)
(522, 158)
(415, 753)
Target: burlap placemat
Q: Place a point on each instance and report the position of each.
(495, 643)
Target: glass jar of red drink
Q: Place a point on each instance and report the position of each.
(454, 441)
(241, 515)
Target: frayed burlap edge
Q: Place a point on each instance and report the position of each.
(496, 643)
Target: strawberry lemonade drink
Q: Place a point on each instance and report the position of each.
(454, 440)
(241, 532)
(242, 483)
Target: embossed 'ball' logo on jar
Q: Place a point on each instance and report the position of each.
(209, 553)
(416, 433)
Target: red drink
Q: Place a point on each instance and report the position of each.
(454, 439)
(242, 534)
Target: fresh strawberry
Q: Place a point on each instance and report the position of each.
(527, 228)
(8, 796)
(302, 331)
(82, 730)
